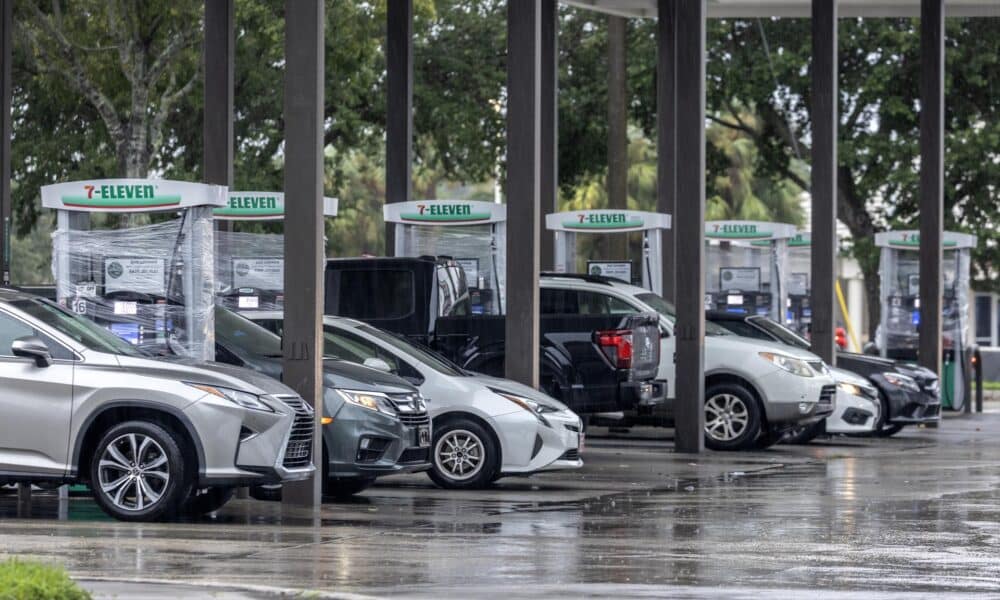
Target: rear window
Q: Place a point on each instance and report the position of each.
(373, 294)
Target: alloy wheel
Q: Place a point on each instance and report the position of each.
(726, 417)
(134, 472)
(459, 454)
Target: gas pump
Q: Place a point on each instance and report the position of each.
(250, 267)
(798, 282)
(567, 225)
(746, 262)
(898, 330)
(150, 284)
(471, 232)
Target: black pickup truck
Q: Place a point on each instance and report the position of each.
(599, 363)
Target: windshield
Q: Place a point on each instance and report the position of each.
(84, 331)
(666, 309)
(234, 330)
(784, 334)
(428, 358)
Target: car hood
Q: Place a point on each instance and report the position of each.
(842, 376)
(756, 345)
(518, 389)
(348, 375)
(875, 361)
(211, 373)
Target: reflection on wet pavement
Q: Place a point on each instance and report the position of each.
(853, 516)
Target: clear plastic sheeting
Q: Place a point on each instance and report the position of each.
(250, 270)
(478, 249)
(900, 297)
(745, 277)
(152, 285)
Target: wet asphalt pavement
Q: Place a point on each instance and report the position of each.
(845, 518)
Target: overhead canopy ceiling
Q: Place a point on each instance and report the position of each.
(798, 8)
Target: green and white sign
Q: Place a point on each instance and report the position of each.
(262, 206)
(444, 212)
(748, 230)
(910, 240)
(131, 195)
(606, 221)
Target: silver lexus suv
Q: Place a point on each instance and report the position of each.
(152, 438)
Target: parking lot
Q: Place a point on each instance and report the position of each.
(914, 513)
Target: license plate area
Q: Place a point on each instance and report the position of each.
(423, 436)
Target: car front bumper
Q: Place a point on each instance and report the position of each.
(791, 400)
(907, 407)
(392, 446)
(555, 446)
(853, 414)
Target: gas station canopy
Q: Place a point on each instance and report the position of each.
(262, 206)
(795, 8)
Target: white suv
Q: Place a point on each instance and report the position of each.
(755, 391)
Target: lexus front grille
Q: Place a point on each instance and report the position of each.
(298, 452)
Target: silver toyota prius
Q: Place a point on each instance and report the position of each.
(152, 438)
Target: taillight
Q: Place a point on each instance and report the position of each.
(617, 346)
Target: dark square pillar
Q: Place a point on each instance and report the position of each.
(824, 177)
(399, 109)
(220, 53)
(689, 267)
(666, 134)
(549, 171)
(303, 344)
(931, 180)
(6, 33)
(524, 68)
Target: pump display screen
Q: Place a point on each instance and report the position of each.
(267, 273)
(619, 269)
(744, 279)
(141, 275)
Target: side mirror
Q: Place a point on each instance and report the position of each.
(32, 347)
(378, 364)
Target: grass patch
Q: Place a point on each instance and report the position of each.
(23, 580)
(993, 386)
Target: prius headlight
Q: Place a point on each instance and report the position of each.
(244, 399)
(788, 363)
(370, 400)
(534, 407)
(904, 381)
(863, 391)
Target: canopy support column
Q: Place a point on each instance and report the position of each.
(303, 347)
(524, 66)
(666, 134)
(689, 266)
(399, 109)
(549, 172)
(931, 180)
(6, 33)
(824, 179)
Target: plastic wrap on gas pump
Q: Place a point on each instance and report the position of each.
(477, 248)
(740, 276)
(250, 270)
(152, 285)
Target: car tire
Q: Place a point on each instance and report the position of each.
(732, 417)
(207, 500)
(464, 455)
(806, 434)
(346, 488)
(138, 472)
(883, 428)
(266, 493)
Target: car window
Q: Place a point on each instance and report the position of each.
(582, 302)
(12, 328)
(742, 329)
(236, 330)
(353, 348)
(83, 331)
(394, 289)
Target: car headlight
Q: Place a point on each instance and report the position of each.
(370, 400)
(788, 363)
(244, 399)
(536, 408)
(904, 381)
